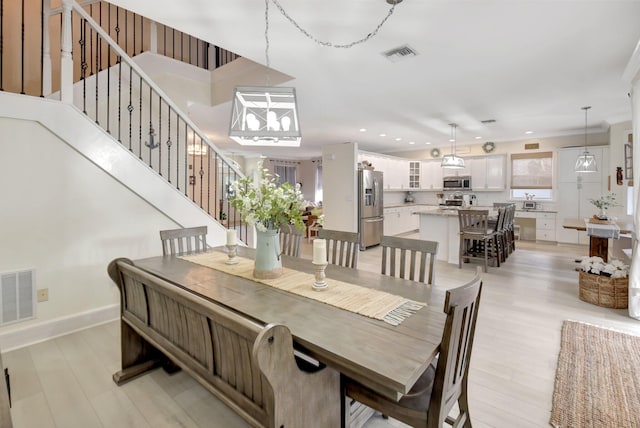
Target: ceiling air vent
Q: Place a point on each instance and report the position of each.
(399, 53)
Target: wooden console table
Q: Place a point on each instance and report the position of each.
(598, 246)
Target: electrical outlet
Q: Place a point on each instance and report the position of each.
(43, 294)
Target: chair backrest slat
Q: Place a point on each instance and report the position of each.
(461, 306)
(290, 240)
(421, 258)
(184, 241)
(342, 247)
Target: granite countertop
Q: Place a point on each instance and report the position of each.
(520, 210)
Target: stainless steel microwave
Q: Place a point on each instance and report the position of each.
(462, 182)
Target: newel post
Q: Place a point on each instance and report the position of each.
(66, 66)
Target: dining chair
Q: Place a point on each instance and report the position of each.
(409, 250)
(313, 225)
(342, 247)
(477, 239)
(444, 382)
(511, 228)
(290, 240)
(184, 240)
(501, 234)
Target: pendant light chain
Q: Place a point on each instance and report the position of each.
(266, 38)
(329, 44)
(586, 110)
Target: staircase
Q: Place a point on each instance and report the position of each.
(77, 71)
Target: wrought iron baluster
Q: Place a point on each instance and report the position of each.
(151, 143)
(83, 62)
(140, 117)
(208, 179)
(130, 106)
(108, 89)
(134, 35)
(159, 135)
(98, 66)
(201, 169)
(41, 48)
(169, 147)
(22, 50)
(186, 161)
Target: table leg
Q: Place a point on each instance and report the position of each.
(599, 247)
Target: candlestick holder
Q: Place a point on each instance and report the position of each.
(319, 284)
(231, 253)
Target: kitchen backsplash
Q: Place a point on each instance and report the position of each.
(484, 199)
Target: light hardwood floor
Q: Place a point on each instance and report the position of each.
(66, 382)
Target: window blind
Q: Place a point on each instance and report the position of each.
(532, 170)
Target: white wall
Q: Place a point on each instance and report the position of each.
(340, 205)
(65, 217)
(616, 159)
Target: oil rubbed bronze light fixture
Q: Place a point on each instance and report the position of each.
(268, 116)
(452, 161)
(586, 162)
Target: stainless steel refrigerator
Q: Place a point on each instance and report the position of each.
(370, 207)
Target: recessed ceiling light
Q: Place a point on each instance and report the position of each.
(398, 139)
(363, 129)
(428, 142)
(528, 132)
(383, 135)
(478, 138)
(412, 142)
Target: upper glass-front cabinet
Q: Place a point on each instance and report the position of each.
(414, 174)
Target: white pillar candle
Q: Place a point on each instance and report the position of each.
(232, 238)
(319, 251)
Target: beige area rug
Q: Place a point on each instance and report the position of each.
(598, 378)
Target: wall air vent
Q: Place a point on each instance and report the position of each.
(17, 296)
(400, 53)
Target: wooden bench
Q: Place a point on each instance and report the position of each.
(249, 366)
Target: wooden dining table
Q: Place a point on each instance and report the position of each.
(598, 246)
(386, 358)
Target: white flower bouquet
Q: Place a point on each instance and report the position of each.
(597, 266)
(266, 204)
(605, 202)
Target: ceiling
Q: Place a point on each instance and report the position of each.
(528, 65)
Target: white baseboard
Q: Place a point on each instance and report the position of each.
(32, 334)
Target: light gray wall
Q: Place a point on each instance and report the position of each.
(66, 218)
(340, 205)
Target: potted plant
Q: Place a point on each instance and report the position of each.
(604, 284)
(604, 203)
(268, 205)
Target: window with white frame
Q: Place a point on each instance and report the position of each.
(318, 196)
(286, 171)
(532, 175)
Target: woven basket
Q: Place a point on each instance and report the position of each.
(604, 291)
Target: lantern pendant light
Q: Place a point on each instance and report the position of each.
(586, 162)
(452, 161)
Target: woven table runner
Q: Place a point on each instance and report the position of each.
(371, 303)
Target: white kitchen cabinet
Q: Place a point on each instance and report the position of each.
(431, 177)
(573, 202)
(487, 172)
(567, 162)
(414, 174)
(574, 190)
(398, 220)
(545, 226)
(496, 172)
(391, 224)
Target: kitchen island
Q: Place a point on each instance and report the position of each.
(441, 225)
